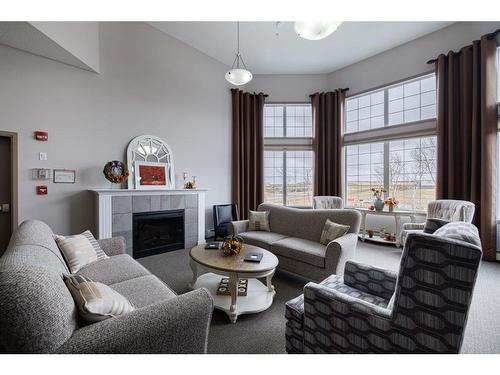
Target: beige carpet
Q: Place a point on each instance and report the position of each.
(265, 332)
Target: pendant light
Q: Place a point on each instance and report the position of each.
(315, 30)
(236, 75)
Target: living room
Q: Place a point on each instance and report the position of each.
(344, 174)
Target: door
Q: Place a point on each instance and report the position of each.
(5, 191)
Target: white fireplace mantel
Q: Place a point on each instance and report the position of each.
(105, 210)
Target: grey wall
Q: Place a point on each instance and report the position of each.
(408, 59)
(149, 84)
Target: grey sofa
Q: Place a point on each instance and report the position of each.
(421, 309)
(38, 315)
(295, 235)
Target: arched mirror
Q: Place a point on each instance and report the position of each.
(151, 163)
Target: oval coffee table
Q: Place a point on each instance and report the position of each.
(209, 265)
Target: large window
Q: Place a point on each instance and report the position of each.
(379, 153)
(288, 156)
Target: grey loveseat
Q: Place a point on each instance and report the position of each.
(295, 235)
(38, 315)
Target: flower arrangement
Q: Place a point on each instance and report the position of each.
(232, 245)
(391, 202)
(115, 171)
(377, 192)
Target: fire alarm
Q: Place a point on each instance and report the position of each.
(42, 190)
(41, 135)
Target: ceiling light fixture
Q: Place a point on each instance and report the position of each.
(236, 75)
(315, 30)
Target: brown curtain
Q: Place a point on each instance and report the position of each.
(328, 114)
(467, 133)
(248, 150)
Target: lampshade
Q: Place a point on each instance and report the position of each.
(315, 30)
(238, 76)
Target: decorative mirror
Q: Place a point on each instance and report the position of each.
(150, 153)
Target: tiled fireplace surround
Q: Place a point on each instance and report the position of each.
(115, 209)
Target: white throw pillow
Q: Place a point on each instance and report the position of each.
(259, 220)
(332, 231)
(80, 250)
(96, 301)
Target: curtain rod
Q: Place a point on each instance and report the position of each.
(341, 90)
(489, 36)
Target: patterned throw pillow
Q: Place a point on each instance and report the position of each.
(432, 225)
(80, 250)
(96, 301)
(259, 220)
(332, 231)
(459, 230)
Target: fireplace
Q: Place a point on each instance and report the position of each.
(157, 232)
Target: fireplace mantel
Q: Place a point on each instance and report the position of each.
(109, 214)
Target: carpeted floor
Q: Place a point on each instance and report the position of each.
(265, 332)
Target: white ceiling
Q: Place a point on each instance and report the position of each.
(265, 52)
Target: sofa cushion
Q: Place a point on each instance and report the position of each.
(144, 291)
(261, 239)
(96, 301)
(113, 270)
(80, 250)
(332, 231)
(258, 221)
(302, 250)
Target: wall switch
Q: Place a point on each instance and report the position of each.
(42, 156)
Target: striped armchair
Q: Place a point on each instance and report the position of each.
(445, 209)
(327, 202)
(422, 309)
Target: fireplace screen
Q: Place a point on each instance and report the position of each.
(158, 232)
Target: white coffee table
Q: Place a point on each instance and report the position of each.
(209, 266)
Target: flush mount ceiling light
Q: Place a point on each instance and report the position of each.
(236, 75)
(315, 30)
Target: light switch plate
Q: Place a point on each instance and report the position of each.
(42, 156)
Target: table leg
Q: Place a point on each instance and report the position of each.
(269, 285)
(363, 223)
(233, 290)
(398, 230)
(194, 269)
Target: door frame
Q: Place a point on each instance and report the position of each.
(14, 210)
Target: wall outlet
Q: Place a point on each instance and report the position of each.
(42, 156)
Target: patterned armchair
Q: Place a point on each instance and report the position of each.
(445, 209)
(327, 202)
(422, 309)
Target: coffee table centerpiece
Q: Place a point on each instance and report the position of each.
(209, 266)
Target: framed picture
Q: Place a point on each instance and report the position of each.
(150, 175)
(64, 176)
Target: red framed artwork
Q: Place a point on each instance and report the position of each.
(151, 175)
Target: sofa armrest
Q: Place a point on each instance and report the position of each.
(377, 281)
(340, 251)
(113, 246)
(239, 226)
(178, 325)
(339, 302)
(413, 226)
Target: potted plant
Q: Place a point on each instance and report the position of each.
(370, 233)
(377, 193)
(391, 203)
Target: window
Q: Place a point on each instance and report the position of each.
(288, 155)
(402, 103)
(402, 160)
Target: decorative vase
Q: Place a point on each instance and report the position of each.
(391, 207)
(379, 204)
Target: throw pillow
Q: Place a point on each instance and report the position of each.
(96, 301)
(459, 230)
(332, 231)
(259, 220)
(432, 225)
(80, 250)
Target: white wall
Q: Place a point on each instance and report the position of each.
(149, 84)
(409, 59)
(81, 39)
